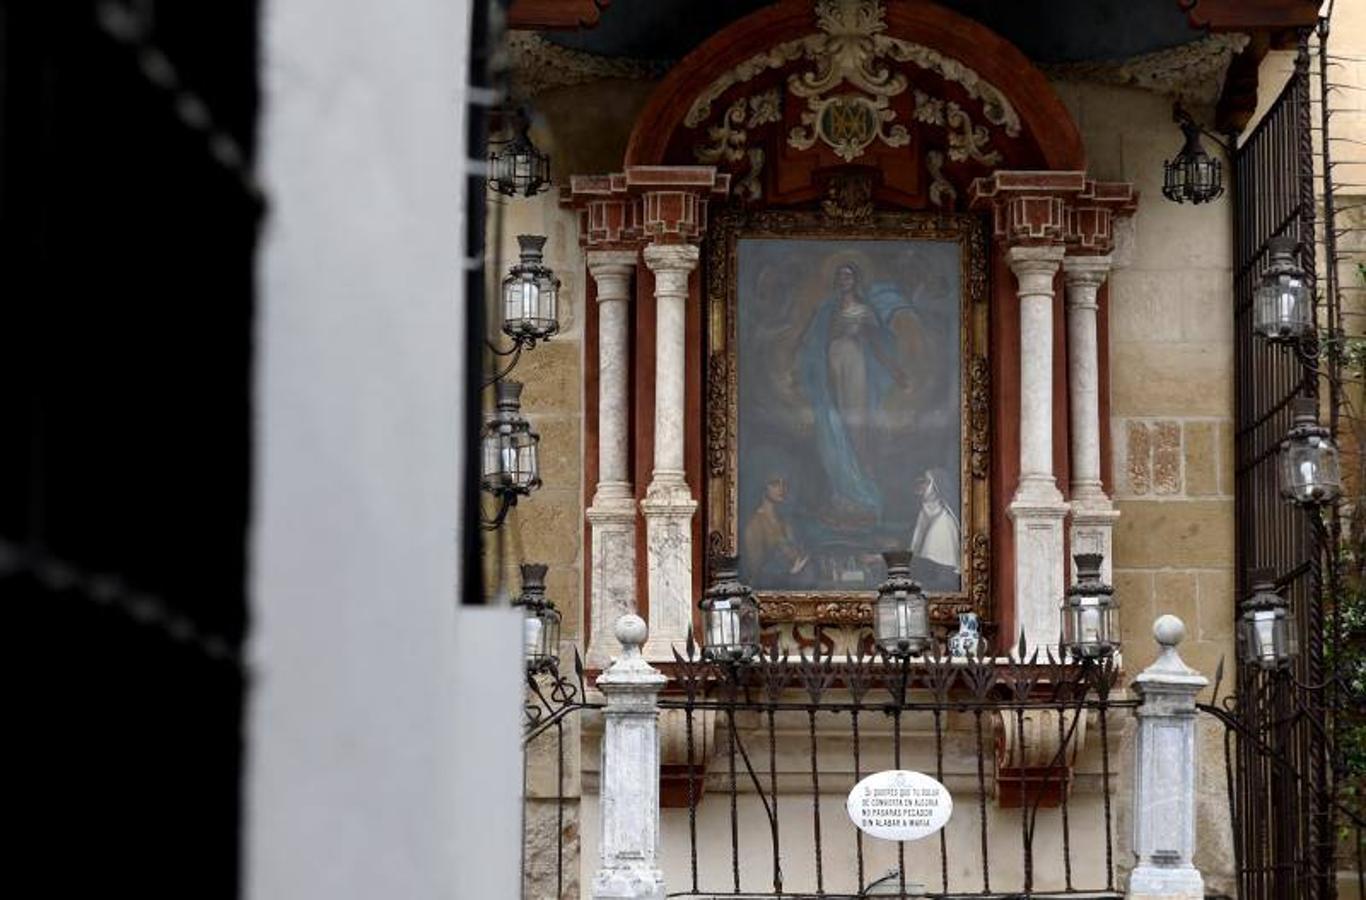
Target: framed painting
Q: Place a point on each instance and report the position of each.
(848, 408)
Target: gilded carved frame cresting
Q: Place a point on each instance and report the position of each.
(833, 607)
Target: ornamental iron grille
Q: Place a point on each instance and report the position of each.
(1292, 834)
(768, 749)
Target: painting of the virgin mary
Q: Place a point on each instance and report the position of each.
(848, 361)
(848, 387)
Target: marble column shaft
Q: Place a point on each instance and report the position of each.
(612, 514)
(1093, 515)
(1037, 509)
(669, 506)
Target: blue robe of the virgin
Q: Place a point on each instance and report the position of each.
(848, 480)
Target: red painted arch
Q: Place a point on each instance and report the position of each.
(1045, 122)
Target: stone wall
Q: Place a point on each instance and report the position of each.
(1171, 422)
(584, 130)
(1171, 401)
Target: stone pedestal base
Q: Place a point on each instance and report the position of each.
(629, 884)
(1093, 525)
(668, 511)
(1039, 513)
(612, 578)
(1163, 883)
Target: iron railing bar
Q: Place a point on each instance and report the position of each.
(929, 707)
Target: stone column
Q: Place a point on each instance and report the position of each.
(1093, 515)
(1037, 509)
(628, 865)
(612, 514)
(668, 506)
(1165, 774)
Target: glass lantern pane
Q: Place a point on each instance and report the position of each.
(550, 635)
(722, 623)
(749, 624)
(525, 466)
(519, 299)
(504, 168)
(531, 633)
(1309, 471)
(495, 460)
(885, 610)
(547, 302)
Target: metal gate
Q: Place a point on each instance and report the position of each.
(1291, 826)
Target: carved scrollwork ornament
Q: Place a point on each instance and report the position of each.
(979, 414)
(942, 193)
(718, 388)
(852, 49)
(979, 551)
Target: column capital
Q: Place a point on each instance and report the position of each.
(1085, 268)
(612, 271)
(1034, 266)
(672, 257)
(1084, 274)
(603, 259)
(1035, 257)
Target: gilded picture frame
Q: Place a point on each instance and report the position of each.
(734, 233)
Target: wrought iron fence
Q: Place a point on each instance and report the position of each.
(550, 733)
(1293, 832)
(795, 732)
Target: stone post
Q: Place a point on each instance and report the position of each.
(1037, 509)
(1165, 774)
(668, 506)
(612, 514)
(629, 794)
(1093, 515)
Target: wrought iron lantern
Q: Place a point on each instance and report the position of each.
(510, 466)
(1090, 615)
(1193, 175)
(730, 614)
(1266, 630)
(1309, 459)
(517, 166)
(1282, 308)
(530, 295)
(541, 626)
(901, 613)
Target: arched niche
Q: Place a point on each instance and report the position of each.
(868, 116)
(919, 97)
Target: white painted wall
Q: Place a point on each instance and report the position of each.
(356, 774)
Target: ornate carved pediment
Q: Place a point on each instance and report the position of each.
(851, 92)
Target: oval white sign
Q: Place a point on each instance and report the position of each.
(900, 805)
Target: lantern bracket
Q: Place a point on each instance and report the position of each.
(506, 501)
(1183, 118)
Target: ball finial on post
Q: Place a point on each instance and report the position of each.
(1169, 630)
(631, 632)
